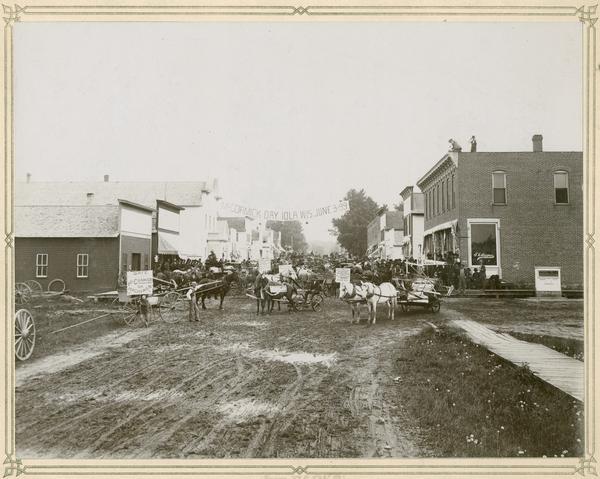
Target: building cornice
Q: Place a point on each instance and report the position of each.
(448, 161)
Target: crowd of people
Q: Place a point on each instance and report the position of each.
(449, 272)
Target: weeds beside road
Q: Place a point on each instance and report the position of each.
(470, 403)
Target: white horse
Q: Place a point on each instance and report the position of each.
(354, 295)
(384, 293)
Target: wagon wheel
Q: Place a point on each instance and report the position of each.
(170, 306)
(293, 306)
(34, 286)
(24, 334)
(22, 293)
(130, 312)
(435, 306)
(56, 286)
(317, 302)
(173, 300)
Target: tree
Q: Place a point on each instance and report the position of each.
(292, 235)
(351, 228)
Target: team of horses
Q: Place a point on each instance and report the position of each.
(371, 295)
(273, 289)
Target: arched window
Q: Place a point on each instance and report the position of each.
(499, 187)
(561, 187)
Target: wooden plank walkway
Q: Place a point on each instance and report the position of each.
(563, 372)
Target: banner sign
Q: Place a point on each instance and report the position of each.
(139, 282)
(342, 275)
(338, 208)
(287, 270)
(264, 265)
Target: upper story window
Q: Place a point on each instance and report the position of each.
(561, 187)
(443, 197)
(453, 194)
(499, 187)
(41, 265)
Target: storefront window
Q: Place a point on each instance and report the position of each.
(483, 244)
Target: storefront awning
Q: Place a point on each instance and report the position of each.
(452, 225)
(165, 246)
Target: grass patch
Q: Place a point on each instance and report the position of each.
(471, 403)
(567, 346)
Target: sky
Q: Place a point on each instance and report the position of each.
(290, 114)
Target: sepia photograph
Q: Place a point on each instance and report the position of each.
(298, 240)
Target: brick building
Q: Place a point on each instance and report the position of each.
(513, 211)
(84, 245)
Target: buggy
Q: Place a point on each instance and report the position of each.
(418, 292)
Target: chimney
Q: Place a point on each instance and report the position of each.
(89, 198)
(28, 177)
(537, 143)
(105, 178)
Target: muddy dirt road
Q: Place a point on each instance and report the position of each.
(233, 385)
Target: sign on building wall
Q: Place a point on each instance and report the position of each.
(264, 265)
(342, 275)
(139, 282)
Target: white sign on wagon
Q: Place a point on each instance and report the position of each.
(287, 270)
(264, 265)
(342, 275)
(139, 282)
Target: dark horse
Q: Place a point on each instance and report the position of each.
(278, 291)
(217, 290)
(260, 282)
(266, 294)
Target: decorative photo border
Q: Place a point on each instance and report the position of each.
(136, 10)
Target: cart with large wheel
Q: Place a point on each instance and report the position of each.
(24, 334)
(419, 292)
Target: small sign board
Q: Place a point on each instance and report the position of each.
(547, 280)
(342, 275)
(264, 265)
(139, 282)
(287, 270)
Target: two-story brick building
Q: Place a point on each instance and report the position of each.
(513, 211)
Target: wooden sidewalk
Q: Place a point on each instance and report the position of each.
(563, 372)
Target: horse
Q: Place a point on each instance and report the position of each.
(260, 283)
(276, 291)
(219, 290)
(355, 295)
(384, 293)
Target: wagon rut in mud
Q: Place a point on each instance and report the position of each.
(234, 385)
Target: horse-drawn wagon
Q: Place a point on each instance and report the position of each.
(418, 292)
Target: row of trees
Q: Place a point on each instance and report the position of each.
(351, 228)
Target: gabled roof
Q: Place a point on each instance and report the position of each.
(71, 193)
(66, 221)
